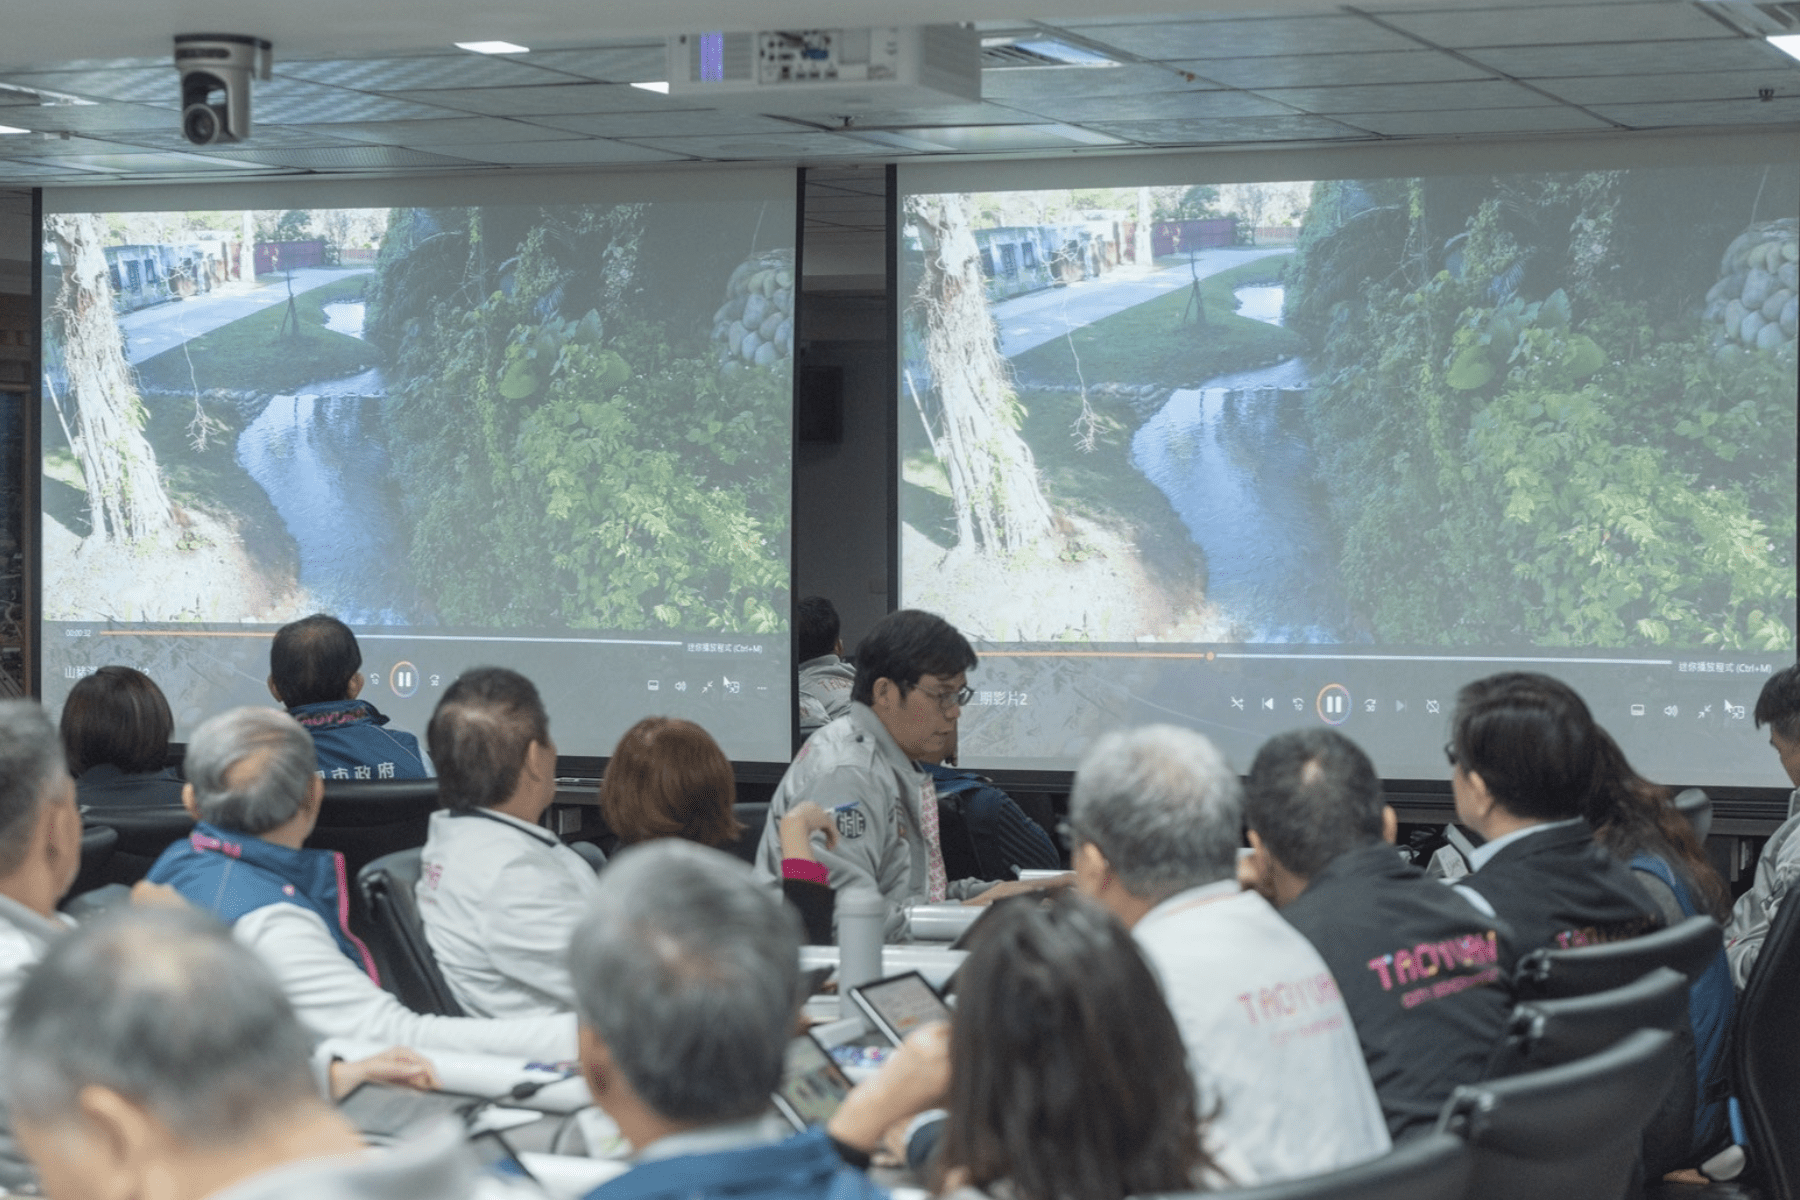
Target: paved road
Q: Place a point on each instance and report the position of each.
(150, 331)
(1026, 322)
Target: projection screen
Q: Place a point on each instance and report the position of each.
(542, 423)
(1251, 443)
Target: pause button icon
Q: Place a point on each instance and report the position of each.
(404, 679)
(1334, 704)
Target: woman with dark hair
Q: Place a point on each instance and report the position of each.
(669, 778)
(1525, 765)
(116, 727)
(1068, 1078)
(1638, 822)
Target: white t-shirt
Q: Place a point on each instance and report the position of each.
(500, 900)
(1269, 1040)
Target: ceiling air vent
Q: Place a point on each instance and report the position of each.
(1012, 53)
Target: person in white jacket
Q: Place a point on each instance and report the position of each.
(499, 894)
(1155, 818)
(253, 788)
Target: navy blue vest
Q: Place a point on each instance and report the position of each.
(232, 874)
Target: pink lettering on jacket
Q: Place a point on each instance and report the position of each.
(1425, 960)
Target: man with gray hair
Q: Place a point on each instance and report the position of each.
(687, 981)
(254, 790)
(150, 1055)
(1155, 820)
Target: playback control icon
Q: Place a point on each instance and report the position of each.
(1333, 704)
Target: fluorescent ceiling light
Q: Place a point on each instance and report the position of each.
(1787, 43)
(655, 85)
(10, 129)
(493, 48)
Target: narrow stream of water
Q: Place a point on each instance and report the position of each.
(1233, 458)
(322, 457)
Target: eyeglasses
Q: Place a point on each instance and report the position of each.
(948, 702)
(1450, 752)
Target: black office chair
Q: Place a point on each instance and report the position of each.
(1766, 1055)
(145, 831)
(397, 936)
(367, 819)
(1571, 1130)
(97, 843)
(1548, 1033)
(1690, 947)
(1433, 1167)
(753, 817)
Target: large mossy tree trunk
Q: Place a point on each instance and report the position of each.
(994, 487)
(124, 485)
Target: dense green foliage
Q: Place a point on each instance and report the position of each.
(1524, 442)
(596, 469)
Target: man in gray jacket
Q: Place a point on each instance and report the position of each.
(911, 683)
(823, 679)
(1778, 707)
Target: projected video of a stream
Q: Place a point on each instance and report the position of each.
(1247, 456)
(553, 437)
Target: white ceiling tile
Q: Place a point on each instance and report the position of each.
(1633, 58)
(609, 64)
(459, 69)
(341, 158)
(1473, 121)
(545, 154)
(150, 163)
(263, 137)
(991, 139)
(1413, 97)
(94, 118)
(156, 85)
(440, 131)
(1781, 110)
(787, 146)
(1559, 24)
(1650, 89)
(19, 171)
(1246, 38)
(683, 123)
(1171, 106)
(1327, 70)
(39, 147)
(550, 100)
(1221, 131)
(296, 102)
(1011, 113)
(1017, 85)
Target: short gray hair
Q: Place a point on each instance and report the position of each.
(31, 763)
(689, 970)
(165, 1009)
(1163, 806)
(250, 769)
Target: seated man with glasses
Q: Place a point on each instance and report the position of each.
(911, 683)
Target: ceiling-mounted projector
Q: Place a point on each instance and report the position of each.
(828, 70)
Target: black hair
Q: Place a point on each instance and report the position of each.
(480, 733)
(313, 660)
(1778, 706)
(908, 644)
(1533, 742)
(1070, 1078)
(815, 628)
(1312, 795)
(1633, 816)
(118, 716)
